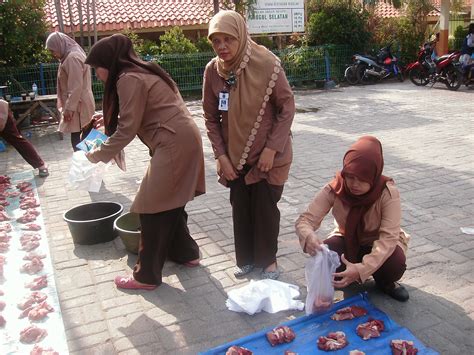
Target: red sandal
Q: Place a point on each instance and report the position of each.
(128, 282)
(192, 263)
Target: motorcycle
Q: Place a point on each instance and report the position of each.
(368, 68)
(445, 69)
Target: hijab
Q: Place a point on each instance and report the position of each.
(3, 114)
(256, 70)
(63, 44)
(364, 160)
(116, 54)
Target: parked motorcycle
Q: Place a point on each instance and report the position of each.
(445, 69)
(368, 68)
(468, 73)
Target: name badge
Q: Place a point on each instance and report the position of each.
(223, 101)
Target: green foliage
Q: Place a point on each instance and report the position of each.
(338, 23)
(203, 45)
(174, 42)
(149, 47)
(265, 41)
(459, 34)
(22, 32)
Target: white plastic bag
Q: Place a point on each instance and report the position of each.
(318, 274)
(85, 175)
(268, 295)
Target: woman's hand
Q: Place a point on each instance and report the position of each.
(67, 115)
(265, 162)
(348, 276)
(98, 120)
(226, 169)
(313, 244)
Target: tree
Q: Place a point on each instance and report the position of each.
(22, 32)
(174, 41)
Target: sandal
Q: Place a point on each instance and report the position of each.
(43, 172)
(192, 263)
(271, 275)
(128, 282)
(243, 270)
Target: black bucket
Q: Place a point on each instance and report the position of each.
(93, 223)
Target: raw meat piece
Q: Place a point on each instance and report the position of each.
(4, 247)
(4, 179)
(34, 297)
(332, 341)
(31, 227)
(33, 211)
(28, 237)
(4, 216)
(28, 203)
(2, 208)
(38, 350)
(30, 245)
(370, 329)
(40, 311)
(2, 321)
(280, 335)
(3, 201)
(25, 312)
(356, 352)
(5, 227)
(350, 312)
(33, 267)
(321, 305)
(12, 193)
(32, 254)
(4, 237)
(38, 283)
(2, 305)
(289, 352)
(32, 334)
(238, 350)
(26, 218)
(403, 347)
(27, 195)
(23, 185)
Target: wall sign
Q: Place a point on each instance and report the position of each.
(276, 16)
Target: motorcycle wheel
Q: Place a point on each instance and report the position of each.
(361, 77)
(418, 77)
(350, 75)
(453, 78)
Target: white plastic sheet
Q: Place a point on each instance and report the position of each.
(85, 175)
(264, 295)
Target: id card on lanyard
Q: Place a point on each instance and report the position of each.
(223, 101)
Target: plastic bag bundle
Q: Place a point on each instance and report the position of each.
(318, 273)
(85, 175)
(268, 295)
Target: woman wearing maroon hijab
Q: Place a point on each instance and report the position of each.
(367, 212)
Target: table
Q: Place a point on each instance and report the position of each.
(28, 106)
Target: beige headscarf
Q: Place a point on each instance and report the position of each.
(256, 69)
(3, 114)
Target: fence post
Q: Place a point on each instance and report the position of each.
(329, 84)
(42, 83)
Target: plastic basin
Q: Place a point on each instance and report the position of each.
(92, 223)
(127, 226)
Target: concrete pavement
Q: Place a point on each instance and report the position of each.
(428, 139)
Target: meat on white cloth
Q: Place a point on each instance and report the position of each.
(32, 334)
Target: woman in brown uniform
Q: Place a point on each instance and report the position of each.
(367, 212)
(75, 99)
(249, 108)
(141, 99)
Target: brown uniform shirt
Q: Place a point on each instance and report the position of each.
(150, 109)
(274, 131)
(74, 79)
(384, 215)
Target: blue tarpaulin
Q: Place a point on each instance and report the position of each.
(309, 328)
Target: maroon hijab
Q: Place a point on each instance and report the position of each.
(116, 54)
(364, 159)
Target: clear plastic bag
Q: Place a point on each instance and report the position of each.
(318, 274)
(85, 175)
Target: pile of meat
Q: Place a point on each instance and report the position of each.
(333, 341)
(280, 335)
(34, 307)
(403, 347)
(238, 350)
(370, 329)
(350, 312)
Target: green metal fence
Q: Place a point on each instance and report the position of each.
(302, 66)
